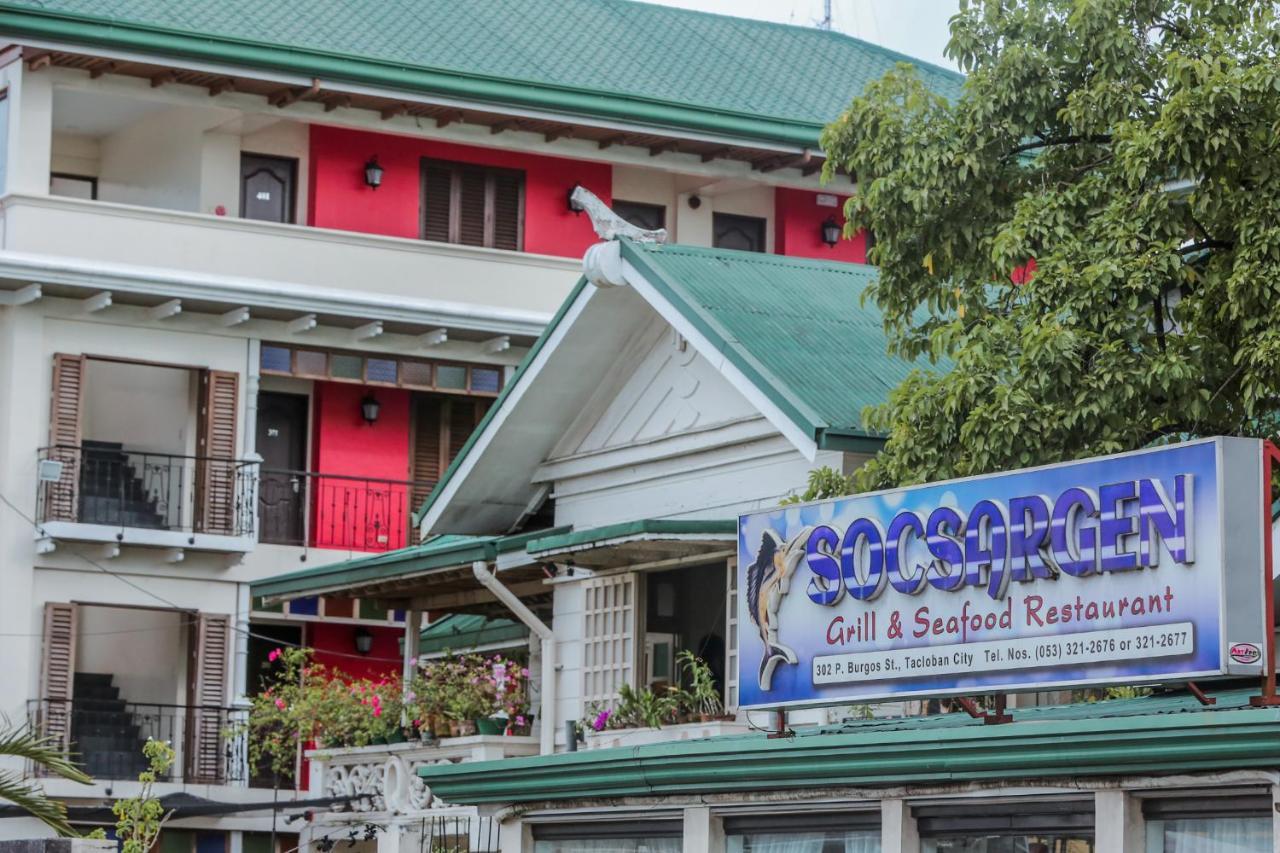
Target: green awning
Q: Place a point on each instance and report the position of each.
(442, 564)
(1170, 733)
(641, 542)
(464, 631)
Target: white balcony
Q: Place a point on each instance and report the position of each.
(384, 778)
(327, 266)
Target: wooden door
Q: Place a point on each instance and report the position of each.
(267, 187)
(282, 486)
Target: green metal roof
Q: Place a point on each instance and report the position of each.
(611, 59)
(1158, 734)
(438, 552)
(797, 328)
(647, 527)
(458, 631)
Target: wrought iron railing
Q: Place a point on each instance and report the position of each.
(107, 484)
(335, 511)
(106, 737)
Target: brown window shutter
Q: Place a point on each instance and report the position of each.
(463, 417)
(65, 418)
(211, 655)
(428, 464)
(508, 211)
(216, 446)
(57, 674)
(472, 207)
(437, 190)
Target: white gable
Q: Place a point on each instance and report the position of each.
(660, 387)
(666, 435)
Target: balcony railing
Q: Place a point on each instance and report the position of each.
(107, 735)
(335, 511)
(102, 483)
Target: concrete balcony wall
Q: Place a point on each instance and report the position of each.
(244, 249)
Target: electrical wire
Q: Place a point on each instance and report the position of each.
(95, 564)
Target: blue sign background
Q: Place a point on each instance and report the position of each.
(804, 625)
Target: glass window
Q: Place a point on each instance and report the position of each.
(607, 845)
(1010, 843)
(416, 373)
(381, 370)
(744, 233)
(828, 841)
(1210, 835)
(312, 363)
(346, 366)
(276, 359)
(485, 380)
(451, 376)
(648, 216)
(73, 186)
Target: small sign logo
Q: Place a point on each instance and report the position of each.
(1245, 653)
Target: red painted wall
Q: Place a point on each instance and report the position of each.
(360, 514)
(798, 228)
(339, 197)
(383, 660)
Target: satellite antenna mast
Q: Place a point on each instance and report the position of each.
(825, 23)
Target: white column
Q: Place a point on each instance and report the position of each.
(235, 841)
(898, 828)
(30, 143)
(412, 628)
(703, 831)
(389, 839)
(1118, 822)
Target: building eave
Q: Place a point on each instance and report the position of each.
(1042, 746)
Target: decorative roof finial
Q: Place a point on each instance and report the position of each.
(609, 225)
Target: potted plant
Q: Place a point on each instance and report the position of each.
(703, 694)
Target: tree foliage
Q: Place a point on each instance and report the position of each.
(139, 819)
(1131, 150)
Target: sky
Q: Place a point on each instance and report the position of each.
(914, 27)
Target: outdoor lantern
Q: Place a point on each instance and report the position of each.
(373, 173)
(831, 232)
(364, 641)
(369, 408)
(573, 204)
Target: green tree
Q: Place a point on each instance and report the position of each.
(46, 753)
(139, 819)
(1131, 149)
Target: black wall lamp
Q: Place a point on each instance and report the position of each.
(373, 173)
(831, 232)
(369, 408)
(363, 640)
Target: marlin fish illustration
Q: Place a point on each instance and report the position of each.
(768, 581)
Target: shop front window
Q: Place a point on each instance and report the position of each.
(848, 832)
(1036, 826)
(1012, 843)
(608, 845)
(624, 836)
(829, 841)
(1210, 835)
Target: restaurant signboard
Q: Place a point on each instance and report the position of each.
(1142, 567)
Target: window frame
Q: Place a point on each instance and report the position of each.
(722, 220)
(659, 209)
(91, 180)
(435, 364)
(455, 169)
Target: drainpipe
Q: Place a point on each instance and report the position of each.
(546, 713)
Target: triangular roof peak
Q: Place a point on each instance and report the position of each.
(791, 334)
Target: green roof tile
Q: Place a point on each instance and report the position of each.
(595, 57)
(797, 328)
(1157, 734)
(459, 631)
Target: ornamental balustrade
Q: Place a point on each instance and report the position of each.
(383, 778)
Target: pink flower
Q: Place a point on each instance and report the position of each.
(275, 653)
(280, 703)
(525, 672)
(520, 720)
(601, 719)
(377, 711)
